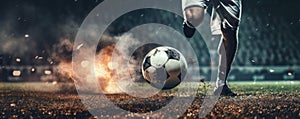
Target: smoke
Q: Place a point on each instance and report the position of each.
(114, 62)
(15, 45)
(62, 52)
(35, 29)
(31, 28)
(12, 32)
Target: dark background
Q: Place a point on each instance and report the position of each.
(269, 31)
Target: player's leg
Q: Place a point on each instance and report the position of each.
(193, 11)
(227, 51)
(229, 11)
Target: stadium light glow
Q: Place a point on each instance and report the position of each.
(47, 72)
(32, 69)
(16, 73)
(26, 35)
(18, 59)
(39, 57)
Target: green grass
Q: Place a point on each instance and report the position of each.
(266, 86)
(35, 86)
(239, 86)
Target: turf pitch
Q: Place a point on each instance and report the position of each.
(277, 99)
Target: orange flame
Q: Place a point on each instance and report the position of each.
(105, 70)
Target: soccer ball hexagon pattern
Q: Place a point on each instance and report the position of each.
(164, 67)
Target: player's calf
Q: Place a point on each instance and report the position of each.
(188, 29)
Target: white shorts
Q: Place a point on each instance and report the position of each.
(228, 11)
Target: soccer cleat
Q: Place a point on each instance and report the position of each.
(225, 91)
(188, 29)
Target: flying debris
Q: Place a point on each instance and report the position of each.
(26, 35)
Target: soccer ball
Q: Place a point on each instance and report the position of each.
(164, 67)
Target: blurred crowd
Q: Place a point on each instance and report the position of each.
(267, 40)
(264, 39)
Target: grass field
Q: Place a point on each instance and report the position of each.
(279, 99)
(266, 86)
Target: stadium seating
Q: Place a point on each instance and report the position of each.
(264, 40)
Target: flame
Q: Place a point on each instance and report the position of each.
(105, 70)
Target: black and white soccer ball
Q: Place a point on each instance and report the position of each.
(164, 67)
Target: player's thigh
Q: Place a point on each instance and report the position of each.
(230, 12)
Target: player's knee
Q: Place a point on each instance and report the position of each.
(229, 26)
(230, 32)
(194, 15)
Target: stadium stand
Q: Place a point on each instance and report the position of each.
(268, 40)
